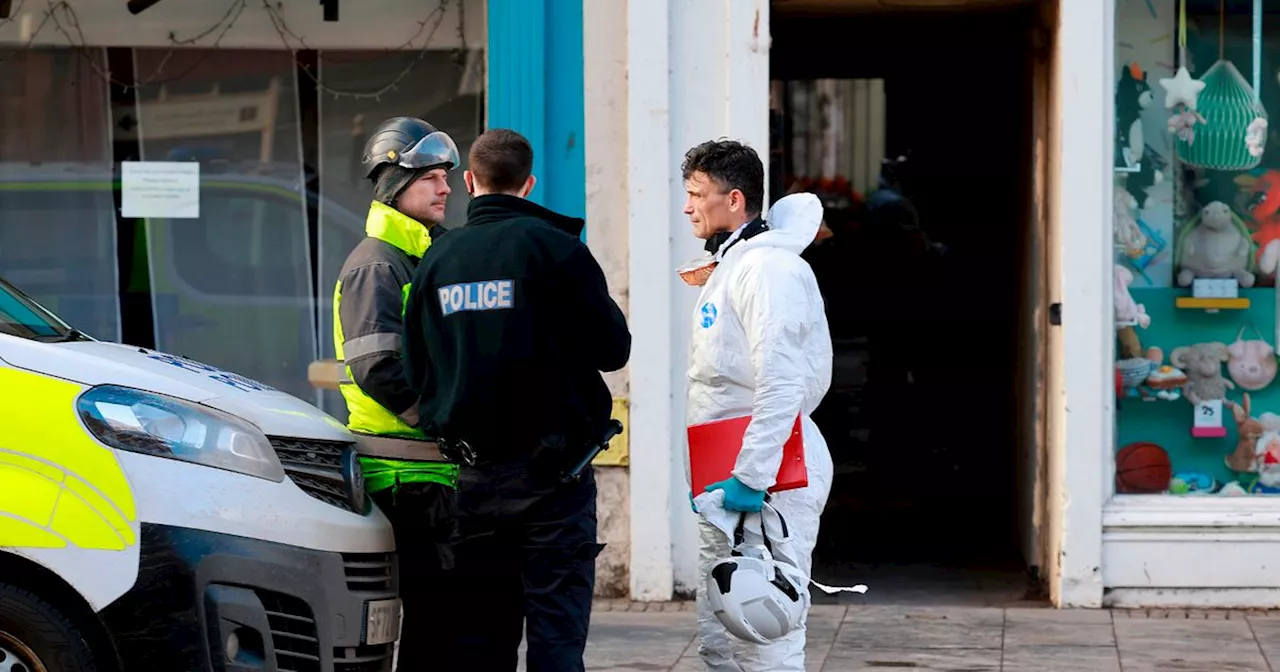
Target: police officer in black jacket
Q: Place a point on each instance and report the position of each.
(508, 325)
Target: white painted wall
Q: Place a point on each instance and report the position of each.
(604, 47)
(688, 81)
(1081, 438)
(648, 216)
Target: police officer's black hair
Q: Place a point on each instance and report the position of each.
(501, 160)
(732, 165)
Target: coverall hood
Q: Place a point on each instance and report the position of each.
(793, 224)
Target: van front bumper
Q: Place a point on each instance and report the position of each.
(210, 601)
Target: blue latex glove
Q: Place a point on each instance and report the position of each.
(738, 497)
(691, 504)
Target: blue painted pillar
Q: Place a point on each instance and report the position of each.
(536, 88)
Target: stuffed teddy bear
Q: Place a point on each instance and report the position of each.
(1202, 363)
(1216, 248)
(1128, 311)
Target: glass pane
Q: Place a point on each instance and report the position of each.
(57, 216)
(232, 287)
(446, 93)
(1197, 235)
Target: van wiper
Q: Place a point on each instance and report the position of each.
(72, 335)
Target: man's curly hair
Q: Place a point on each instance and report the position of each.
(731, 165)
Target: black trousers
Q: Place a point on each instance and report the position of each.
(425, 519)
(525, 560)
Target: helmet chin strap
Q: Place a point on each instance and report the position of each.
(739, 537)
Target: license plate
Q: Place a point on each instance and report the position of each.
(382, 621)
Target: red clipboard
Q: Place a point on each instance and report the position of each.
(714, 447)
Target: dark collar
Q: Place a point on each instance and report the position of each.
(492, 208)
(751, 228)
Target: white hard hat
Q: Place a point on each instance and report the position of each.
(757, 598)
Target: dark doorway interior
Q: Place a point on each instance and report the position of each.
(922, 415)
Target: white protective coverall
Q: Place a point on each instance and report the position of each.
(761, 347)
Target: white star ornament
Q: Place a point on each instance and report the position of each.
(1181, 88)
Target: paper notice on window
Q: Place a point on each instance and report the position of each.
(162, 189)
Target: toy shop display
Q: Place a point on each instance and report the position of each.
(1197, 401)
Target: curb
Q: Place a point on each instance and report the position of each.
(622, 605)
(1196, 614)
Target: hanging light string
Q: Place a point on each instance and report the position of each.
(63, 18)
(433, 21)
(1222, 29)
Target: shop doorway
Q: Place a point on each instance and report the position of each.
(927, 413)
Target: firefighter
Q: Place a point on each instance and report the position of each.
(408, 162)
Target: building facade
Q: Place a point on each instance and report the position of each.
(1127, 498)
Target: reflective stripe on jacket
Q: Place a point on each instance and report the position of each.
(368, 308)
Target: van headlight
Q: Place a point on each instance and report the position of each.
(154, 424)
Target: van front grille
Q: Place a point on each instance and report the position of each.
(316, 467)
(367, 572)
(293, 632)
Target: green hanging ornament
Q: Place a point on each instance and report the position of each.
(1232, 128)
(1234, 123)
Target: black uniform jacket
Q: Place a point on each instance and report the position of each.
(508, 325)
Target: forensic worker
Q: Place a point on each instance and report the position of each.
(408, 161)
(760, 348)
(508, 325)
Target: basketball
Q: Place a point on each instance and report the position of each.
(1142, 468)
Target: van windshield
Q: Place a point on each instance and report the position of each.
(23, 317)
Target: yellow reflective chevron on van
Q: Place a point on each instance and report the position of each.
(58, 486)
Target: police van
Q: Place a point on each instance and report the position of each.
(157, 513)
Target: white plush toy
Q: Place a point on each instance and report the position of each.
(1216, 248)
(1128, 311)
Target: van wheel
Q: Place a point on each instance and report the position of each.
(36, 637)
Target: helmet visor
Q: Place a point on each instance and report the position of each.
(437, 149)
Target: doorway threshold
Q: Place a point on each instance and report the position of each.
(928, 584)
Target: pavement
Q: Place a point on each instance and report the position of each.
(637, 637)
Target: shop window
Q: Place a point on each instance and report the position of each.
(232, 287)
(1196, 219)
(57, 218)
(447, 94)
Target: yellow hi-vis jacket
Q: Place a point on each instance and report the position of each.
(368, 313)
